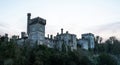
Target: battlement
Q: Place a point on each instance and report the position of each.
(38, 20)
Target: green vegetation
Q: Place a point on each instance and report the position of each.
(107, 53)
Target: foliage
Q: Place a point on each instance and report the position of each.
(13, 54)
(106, 59)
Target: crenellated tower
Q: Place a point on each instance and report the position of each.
(36, 29)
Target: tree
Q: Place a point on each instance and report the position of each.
(106, 59)
(98, 44)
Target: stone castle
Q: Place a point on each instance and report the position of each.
(36, 34)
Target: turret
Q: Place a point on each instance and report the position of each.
(28, 21)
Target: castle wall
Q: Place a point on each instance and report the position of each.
(83, 43)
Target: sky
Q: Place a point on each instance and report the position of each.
(100, 17)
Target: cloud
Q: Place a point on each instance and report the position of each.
(10, 29)
(110, 27)
(107, 30)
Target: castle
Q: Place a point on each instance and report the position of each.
(36, 34)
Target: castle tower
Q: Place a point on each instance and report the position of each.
(36, 29)
(90, 38)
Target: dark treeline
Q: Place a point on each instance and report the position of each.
(107, 53)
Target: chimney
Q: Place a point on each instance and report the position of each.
(48, 35)
(62, 31)
(23, 34)
(57, 33)
(51, 36)
(66, 32)
(28, 20)
(28, 16)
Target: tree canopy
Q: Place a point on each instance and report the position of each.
(108, 53)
